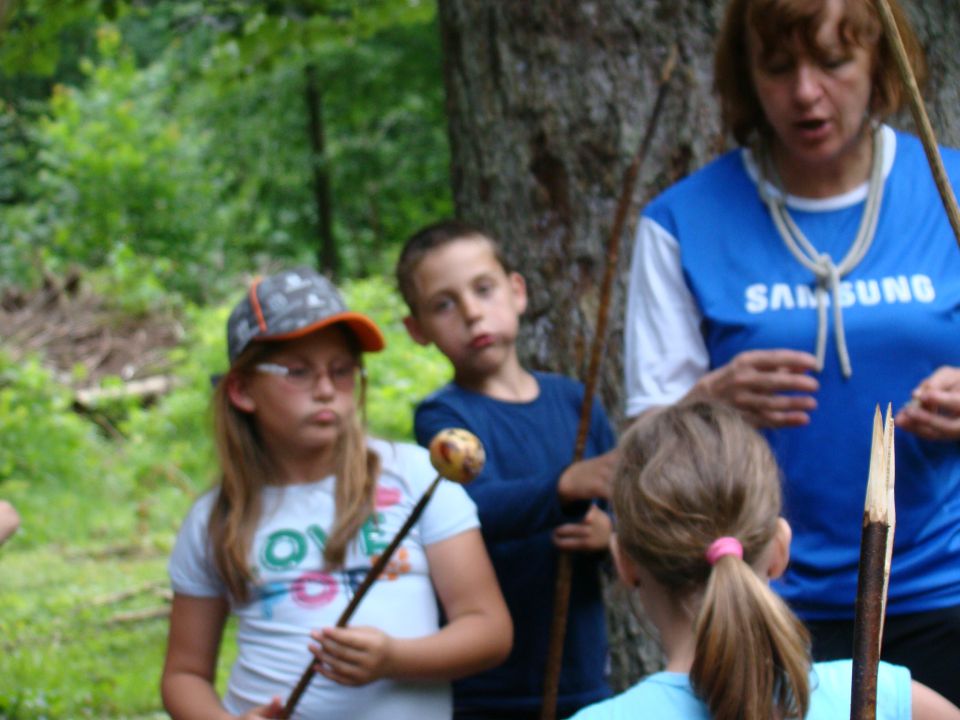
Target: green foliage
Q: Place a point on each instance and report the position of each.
(82, 635)
(39, 43)
(16, 160)
(122, 176)
(65, 654)
(51, 460)
(20, 218)
(387, 157)
(391, 163)
(200, 163)
(168, 449)
(135, 283)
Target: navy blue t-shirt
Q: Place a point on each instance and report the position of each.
(528, 446)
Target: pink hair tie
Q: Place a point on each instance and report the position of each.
(724, 546)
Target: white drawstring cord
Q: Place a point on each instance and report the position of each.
(828, 275)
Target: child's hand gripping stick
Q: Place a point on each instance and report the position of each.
(457, 455)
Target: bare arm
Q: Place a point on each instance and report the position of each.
(928, 704)
(189, 671)
(478, 633)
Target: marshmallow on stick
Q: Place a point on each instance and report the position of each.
(457, 454)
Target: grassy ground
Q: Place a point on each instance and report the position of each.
(66, 649)
(83, 628)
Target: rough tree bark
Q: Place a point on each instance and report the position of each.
(547, 101)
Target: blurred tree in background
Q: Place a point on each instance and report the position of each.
(174, 144)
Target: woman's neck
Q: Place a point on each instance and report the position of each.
(849, 169)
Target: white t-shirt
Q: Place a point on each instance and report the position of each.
(294, 594)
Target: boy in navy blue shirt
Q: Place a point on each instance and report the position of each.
(531, 500)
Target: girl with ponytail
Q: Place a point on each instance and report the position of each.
(696, 497)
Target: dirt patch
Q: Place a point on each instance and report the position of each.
(70, 326)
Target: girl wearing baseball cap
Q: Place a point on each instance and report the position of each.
(305, 503)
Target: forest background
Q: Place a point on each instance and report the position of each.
(156, 154)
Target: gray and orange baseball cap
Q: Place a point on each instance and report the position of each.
(291, 304)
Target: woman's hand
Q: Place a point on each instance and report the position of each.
(757, 382)
(352, 656)
(933, 412)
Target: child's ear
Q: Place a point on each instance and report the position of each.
(415, 331)
(237, 393)
(626, 568)
(780, 553)
(519, 288)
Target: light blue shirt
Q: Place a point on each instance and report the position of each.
(669, 695)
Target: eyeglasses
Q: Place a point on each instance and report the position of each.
(304, 377)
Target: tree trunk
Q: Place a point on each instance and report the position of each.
(328, 259)
(938, 24)
(547, 103)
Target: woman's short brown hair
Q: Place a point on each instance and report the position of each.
(776, 21)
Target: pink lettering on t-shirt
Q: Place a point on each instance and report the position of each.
(387, 496)
(306, 594)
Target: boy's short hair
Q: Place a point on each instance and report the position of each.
(429, 238)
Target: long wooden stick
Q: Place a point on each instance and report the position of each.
(561, 596)
(876, 553)
(920, 116)
(371, 576)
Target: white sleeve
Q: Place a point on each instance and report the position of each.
(450, 510)
(665, 353)
(191, 568)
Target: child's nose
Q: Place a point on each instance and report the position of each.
(323, 385)
(470, 307)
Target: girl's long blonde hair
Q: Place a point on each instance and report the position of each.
(687, 475)
(247, 466)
